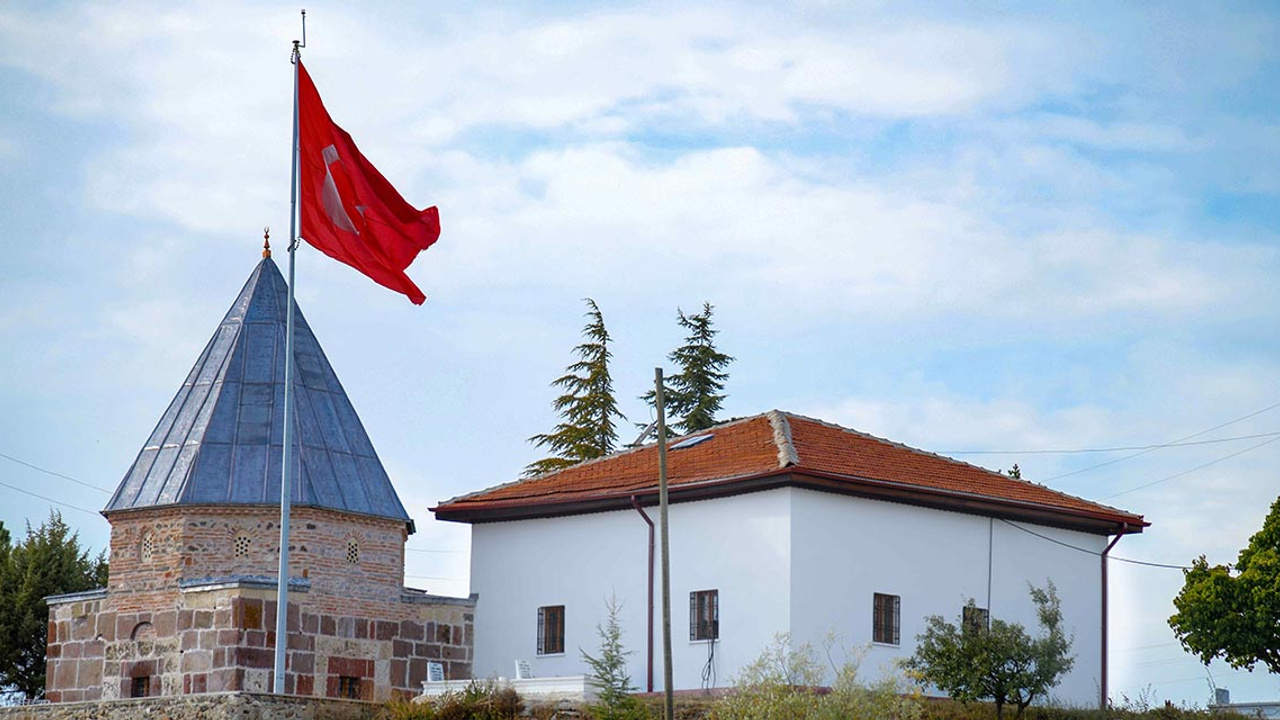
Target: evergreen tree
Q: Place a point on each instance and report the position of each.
(50, 561)
(695, 394)
(588, 429)
(609, 671)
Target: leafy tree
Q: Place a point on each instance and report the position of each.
(1014, 472)
(999, 662)
(1235, 616)
(50, 561)
(587, 405)
(609, 671)
(695, 393)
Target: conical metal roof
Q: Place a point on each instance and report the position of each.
(220, 442)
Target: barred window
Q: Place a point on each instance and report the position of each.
(241, 545)
(551, 630)
(353, 551)
(704, 615)
(976, 618)
(885, 614)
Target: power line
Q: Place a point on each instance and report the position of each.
(423, 550)
(429, 577)
(55, 474)
(1181, 439)
(1076, 451)
(1187, 472)
(47, 499)
(1094, 553)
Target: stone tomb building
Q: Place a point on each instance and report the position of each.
(190, 606)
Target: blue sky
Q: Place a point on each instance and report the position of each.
(977, 229)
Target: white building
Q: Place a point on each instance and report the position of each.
(778, 523)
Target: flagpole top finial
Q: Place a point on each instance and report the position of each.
(266, 242)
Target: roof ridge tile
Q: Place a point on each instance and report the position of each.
(788, 456)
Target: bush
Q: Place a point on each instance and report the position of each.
(480, 700)
(786, 683)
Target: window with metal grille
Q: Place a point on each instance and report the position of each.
(551, 630)
(140, 687)
(976, 618)
(348, 687)
(241, 546)
(353, 551)
(704, 615)
(885, 611)
(147, 549)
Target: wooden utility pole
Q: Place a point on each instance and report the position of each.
(669, 703)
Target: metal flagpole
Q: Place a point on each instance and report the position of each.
(286, 475)
(660, 403)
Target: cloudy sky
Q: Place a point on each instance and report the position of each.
(966, 230)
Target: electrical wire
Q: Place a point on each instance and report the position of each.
(1077, 451)
(47, 499)
(424, 550)
(1187, 472)
(1094, 553)
(1181, 439)
(37, 468)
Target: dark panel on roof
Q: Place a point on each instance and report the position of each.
(221, 439)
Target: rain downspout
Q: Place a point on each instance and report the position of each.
(649, 655)
(1102, 700)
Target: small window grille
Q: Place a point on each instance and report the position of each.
(704, 615)
(147, 549)
(348, 687)
(551, 630)
(885, 613)
(242, 546)
(140, 687)
(353, 551)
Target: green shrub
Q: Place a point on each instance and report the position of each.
(786, 683)
(479, 700)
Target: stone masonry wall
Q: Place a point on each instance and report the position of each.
(174, 621)
(219, 706)
(224, 639)
(152, 549)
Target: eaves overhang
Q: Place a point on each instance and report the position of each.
(1098, 522)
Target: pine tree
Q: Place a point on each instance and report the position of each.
(695, 394)
(587, 405)
(609, 671)
(50, 561)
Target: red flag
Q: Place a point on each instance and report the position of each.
(349, 211)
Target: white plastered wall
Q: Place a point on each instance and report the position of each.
(739, 546)
(846, 549)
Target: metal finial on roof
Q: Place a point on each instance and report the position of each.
(266, 242)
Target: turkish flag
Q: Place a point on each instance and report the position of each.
(349, 211)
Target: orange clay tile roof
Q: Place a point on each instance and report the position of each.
(775, 443)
